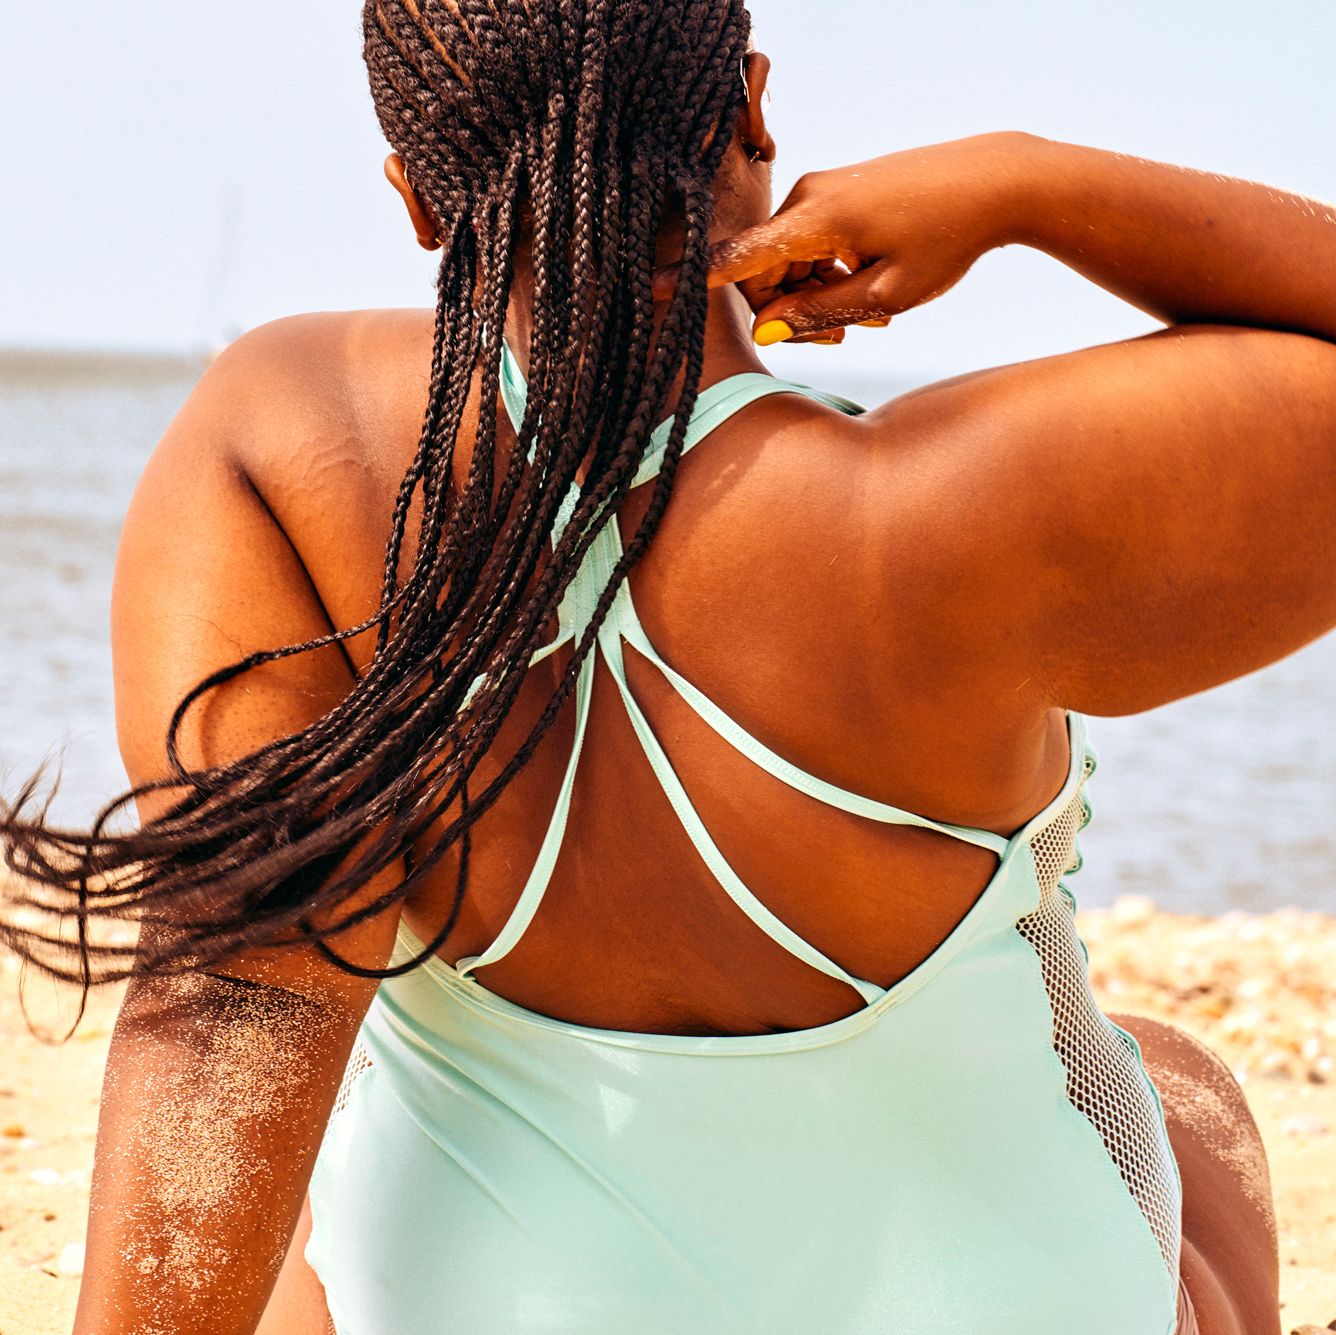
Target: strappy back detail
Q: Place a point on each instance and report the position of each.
(714, 406)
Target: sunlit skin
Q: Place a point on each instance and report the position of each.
(1105, 531)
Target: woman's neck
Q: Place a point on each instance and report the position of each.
(729, 348)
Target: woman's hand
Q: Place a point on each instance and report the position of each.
(860, 244)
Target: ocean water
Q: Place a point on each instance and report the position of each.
(1226, 800)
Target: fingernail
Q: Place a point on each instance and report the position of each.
(772, 331)
(874, 324)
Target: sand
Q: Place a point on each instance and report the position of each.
(1261, 990)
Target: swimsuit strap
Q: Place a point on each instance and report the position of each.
(714, 405)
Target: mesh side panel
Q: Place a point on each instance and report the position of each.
(1105, 1079)
(358, 1064)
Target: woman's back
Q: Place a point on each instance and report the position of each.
(896, 602)
(771, 585)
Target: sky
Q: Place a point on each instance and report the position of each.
(177, 173)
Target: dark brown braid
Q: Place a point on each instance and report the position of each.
(580, 126)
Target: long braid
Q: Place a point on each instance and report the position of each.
(579, 124)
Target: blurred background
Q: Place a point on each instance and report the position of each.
(177, 174)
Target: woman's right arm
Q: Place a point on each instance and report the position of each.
(1119, 526)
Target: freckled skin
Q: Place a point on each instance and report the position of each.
(1104, 531)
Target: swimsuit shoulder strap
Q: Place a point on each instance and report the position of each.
(715, 404)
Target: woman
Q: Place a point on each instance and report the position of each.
(729, 982)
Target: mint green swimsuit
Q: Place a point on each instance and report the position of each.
(978, 1148)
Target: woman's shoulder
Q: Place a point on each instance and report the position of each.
(316, 417)
(322, 365)
(329, 402)
(333, 333)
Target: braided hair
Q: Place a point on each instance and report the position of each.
(581, 126)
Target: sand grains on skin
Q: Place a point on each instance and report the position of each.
(197, 1153)
(250, 1045)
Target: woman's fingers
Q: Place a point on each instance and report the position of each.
(827, 336)
(864, 297)
(770, 246)
(823, 336)
(803, 293)
(763, 288)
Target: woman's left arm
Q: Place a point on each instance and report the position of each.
(216, 1095)
(218, 1085)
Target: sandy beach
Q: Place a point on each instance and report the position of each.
(1260, 989)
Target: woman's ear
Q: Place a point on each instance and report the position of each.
(756, 140)
(423, 225)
